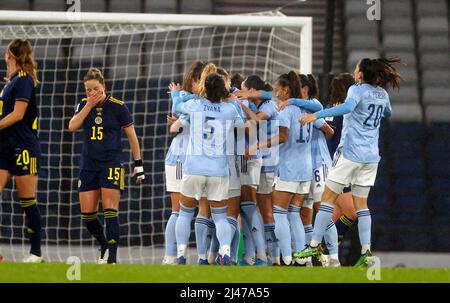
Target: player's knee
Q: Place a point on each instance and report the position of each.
(360, 191)
(335, 188)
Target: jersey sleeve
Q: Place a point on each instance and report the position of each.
(354, 93)
(23, 89)
(270, 111)
(319, 123)
(125, 118)
(284, 118)
(80, 106)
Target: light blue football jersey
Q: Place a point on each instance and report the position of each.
(360, 130)
(211, 130)
(319, 148)
(295, 153)
(266, 130)
(178, 146)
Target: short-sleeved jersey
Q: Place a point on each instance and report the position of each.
(23, 133)
(266, 130)
(211, 135)
(360, 131)
(102, 133)
(295, 153)
(319, 148)
(178, 146)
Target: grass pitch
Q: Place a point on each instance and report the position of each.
(56, 272)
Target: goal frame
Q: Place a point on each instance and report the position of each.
(51, 17)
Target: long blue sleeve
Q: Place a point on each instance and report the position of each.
(339, 110)
(266, 95)
(178, 105)
(253, 107)
(306, 104)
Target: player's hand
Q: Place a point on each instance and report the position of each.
(282, 105)
(250, 151)
(95, 98)
(174, 86)
(252, 93)
(138, 171)
(171, 119)
(308, 118)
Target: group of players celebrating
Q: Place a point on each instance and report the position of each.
(249, 163)
(261, 167)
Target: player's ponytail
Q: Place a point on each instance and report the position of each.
(311, 83)
(221, 71)
(257, 83)
(215, 88)
(22, 52)
(292, 80)
(210, 68)
(94, 74)
(192, 74)
(381, 71)
(387, 73)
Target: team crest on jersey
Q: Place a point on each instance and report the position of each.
(98, 120)
(99, 110)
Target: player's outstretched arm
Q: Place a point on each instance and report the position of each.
(136, 151)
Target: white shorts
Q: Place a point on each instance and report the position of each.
(174, 175)
(348, 172)
(212, 188)
(297, 187)
(265, 183)
(318, 183)
(234, 189)
(250, 171)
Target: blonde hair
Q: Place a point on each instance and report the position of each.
(210, 68)
(22, 52)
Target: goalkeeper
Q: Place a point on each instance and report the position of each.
(102, 172)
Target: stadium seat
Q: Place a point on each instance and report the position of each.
(434, 60)
(398, 24)
(409, 186)
(15, 5)
(407, 132)
(437, 78)
(398, 42)
(414, 239)
(406, 95)
(437, 95)
(413, 167)
(437, 42)
(438, 113)
(432, 25)
(49, 5)
(406, 113)
(432, 8)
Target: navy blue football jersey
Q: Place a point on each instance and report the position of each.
(102, 133)
(22, 134)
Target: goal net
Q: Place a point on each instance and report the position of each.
(138, 61)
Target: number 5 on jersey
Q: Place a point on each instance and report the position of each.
(97, 133)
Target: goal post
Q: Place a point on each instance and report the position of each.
(304, 24)
(139, 55)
